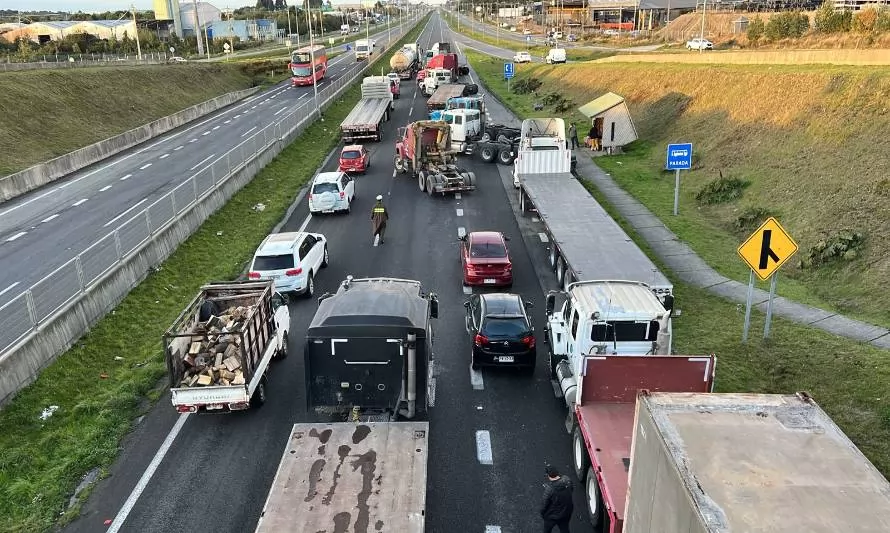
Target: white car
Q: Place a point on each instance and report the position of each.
(699, 44)
(331, 192)
(522, 57)
(291, 260)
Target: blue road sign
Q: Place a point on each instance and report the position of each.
(679, 156)
(509, 71)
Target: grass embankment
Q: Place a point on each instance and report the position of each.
(48, 113)
(847, 378)
(42, 461)
(807, 143)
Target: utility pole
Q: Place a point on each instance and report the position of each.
(138, 46)
(312, 60)
(704, 7)
(288, 21)
(198, 29)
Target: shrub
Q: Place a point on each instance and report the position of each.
(840, 246)
(564, 106)
(721, 190)
(756, 29)
(829, 20)
(866, 20)
(526, 85)
(751, 218)
(791, 24)
(883, 21)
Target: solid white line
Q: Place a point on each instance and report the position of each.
(8, 288)
(178, 148)
(125, 177)
(165, 156)
(145, 166)
(460, 212)
(304, 224)
(246, 133)
(476, 379)
(51, 217)
(543, 237)
(16, 236)
(146, 476)
(483, 447)
(202, 161)
(113, 220)
(254, 107)
(304, 95)
(205, 133)
(461, 232)
(32, 200)
(410, 111)
(77, 203)
(105, 188)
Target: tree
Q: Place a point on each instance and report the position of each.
(829, 20)
(866, 20)
(756, 29)
(265, 4)
(790, 24)
(279, 5)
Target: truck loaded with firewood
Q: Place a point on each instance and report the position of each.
(220, 348)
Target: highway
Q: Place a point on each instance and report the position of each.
(212, 473)
(43, 229)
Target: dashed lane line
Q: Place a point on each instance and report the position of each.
(49, 218)
(483, 447)
(125, 178)
(178, 148)
(165, 156)
(460, 212)
(476, 379)
(77, 203)
(16, 236)
(145, 166)
(105, 188)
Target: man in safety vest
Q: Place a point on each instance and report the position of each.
(379, 216)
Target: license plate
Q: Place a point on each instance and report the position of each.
(489, 280)
(505, 359)
(328, 211)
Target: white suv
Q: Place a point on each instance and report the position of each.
(331, 192)
(291, 260)
(522, 57)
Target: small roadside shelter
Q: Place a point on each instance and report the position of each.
(611, 121)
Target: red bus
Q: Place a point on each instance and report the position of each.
(308, 65)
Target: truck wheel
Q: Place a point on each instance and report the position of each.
(579, 454)
(594, 501)
(421, 180)
(282, 352)
(505, 156)
(488, 154)
(471, 178)
(560, 271)
(326, 259)
(553, 257)
(397, 162)
(259, 395)
(430, 189)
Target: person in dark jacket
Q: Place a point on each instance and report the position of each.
(557, 505)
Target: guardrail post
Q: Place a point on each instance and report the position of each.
(117, 245)
(32, 311)
(213, 174)
(195, 183)
(79, 267)
(229, 162)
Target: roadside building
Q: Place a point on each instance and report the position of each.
(610, 118)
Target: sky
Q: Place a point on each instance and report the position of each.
(88, 6)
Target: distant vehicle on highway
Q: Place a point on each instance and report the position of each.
(611, 33)
(502, 331)
(522, 57)
(556, 55)
(699, 44)
(526, 31)
(308, 65)
(177, 59)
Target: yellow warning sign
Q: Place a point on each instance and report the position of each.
(768, 248)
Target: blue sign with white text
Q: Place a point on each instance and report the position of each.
(508, 71)
(679, 156)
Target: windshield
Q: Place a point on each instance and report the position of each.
(302, 57)
(505, 327)
(351, 154)
(488, 250)
(625, 331)
(263, 263)
(320, 188)
(302, 71)
(361, 48)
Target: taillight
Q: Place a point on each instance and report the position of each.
(529, 341)
(254, 275)
(508, 267)
(293, 272)
(310, 196)
(342, 195)
(480, 340)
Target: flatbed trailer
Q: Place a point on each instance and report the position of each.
(366, 119)
(439, 99)
(349, 476)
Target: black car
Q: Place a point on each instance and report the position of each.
(502, 331)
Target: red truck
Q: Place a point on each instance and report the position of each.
(604, 421)
(448, 61)
(424, 149)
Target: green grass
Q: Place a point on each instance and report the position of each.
(42, 462)
(850, 380)
(780, 128)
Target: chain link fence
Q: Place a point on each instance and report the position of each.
(43, 299)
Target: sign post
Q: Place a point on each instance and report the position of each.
(509, 72)
(765, 251)
(679, 157)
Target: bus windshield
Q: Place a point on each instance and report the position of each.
(302, 71)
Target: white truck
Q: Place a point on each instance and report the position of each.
(220, 348)
(363, 49)
(366, 119)
(434, 78)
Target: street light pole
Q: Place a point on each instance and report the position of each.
(704, 7)
(138, 46)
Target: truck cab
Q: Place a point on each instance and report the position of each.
(602, 317)
(363, 49)
(434, 78)
(466, 126)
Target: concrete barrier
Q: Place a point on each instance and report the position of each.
(39, 175)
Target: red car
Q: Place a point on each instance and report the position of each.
(485, 259)
(354, 158)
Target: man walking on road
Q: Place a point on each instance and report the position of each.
(379, 216)
(573, 135)
(557, 506)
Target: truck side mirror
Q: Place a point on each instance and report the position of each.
(434, 306)
(550, 303)
(669, 302)
(467, 304)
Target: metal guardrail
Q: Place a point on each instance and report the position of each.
(37, 304)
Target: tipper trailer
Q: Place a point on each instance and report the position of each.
(366, 119)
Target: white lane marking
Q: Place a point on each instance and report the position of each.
(492, 529)
(105, 188)
(178, 148)
(461, 232)
(33, 200)
(476, 379)
(236, 116)
(165, 156)
(215, 128)
(16, 236)
(115, 219)
(145, 166)
(304, 95)
(483, 447)
(8, 288)
(460, 212)
(254, 107)
(280, 111)
(226, 122)
(543, 237)
(193, 141)
(146, 476)
(77, 203)
(202, 161)
(457, 196)
(304, 224)
(410, 111)
(51, 217)
(126, 177)
(246, 133)
(205, 133)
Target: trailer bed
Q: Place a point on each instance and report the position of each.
(439, 99)
(366, 115)
(348, 476)
(593, 244)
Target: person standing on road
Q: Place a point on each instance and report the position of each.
(379, 216)
(557, 505)
(573, 135)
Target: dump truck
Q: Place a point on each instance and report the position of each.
(747, 462)
(405, 62)
(603, 420)
(220, 348)
(425, 150)
(370, 380)
(366, 119)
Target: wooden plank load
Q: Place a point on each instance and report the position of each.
(215, 355)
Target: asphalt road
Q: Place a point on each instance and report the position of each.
(217, 470)
(43, 229)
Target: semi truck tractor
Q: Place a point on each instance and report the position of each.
(425, 150)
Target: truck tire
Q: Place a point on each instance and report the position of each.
(400, 167)
(560, 271)
(282, 351)
(566, 281)
(471, 178)
(594, 500)
(421, 181)
(554, 257)
(326, 259)
(259, 395)
(430, 189)
(488, 154)
(505, 156)
(580, 460)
